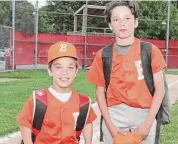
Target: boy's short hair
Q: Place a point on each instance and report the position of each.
(132, 5)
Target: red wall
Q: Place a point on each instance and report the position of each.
(25, 47)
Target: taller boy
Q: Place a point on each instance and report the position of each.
(129, 105)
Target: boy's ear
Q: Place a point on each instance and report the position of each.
(76, 72)
(49, 72)
(110, 26)
(136, 22)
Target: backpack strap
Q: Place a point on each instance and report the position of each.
(40, 106)
(85, 104)
(146, 49)
(39, 110)
(107, 53)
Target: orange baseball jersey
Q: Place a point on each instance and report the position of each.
(59, 121)
(127, 84)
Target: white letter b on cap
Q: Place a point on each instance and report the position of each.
(63, 47)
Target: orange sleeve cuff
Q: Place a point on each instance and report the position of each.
(95, 74)
(25, 117)
(158, 62)
(24, 123)
(92, 116)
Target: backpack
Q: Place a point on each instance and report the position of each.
(40, 106)
(163, 115)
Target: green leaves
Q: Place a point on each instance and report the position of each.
(24, 18)
(153, 19)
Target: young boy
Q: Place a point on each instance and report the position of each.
(129, 105)
(63, 103)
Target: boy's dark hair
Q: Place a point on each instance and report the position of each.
(132, 5)
(50, 65)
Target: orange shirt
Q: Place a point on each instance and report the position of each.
(127, 84)
(59, 120)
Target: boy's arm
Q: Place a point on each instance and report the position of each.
(144, 128)
(100, 96)
(87, 133)
(157, 64)
(157, 98)
(25, 119)
(26, 134)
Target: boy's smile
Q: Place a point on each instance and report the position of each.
(63, 71)
(64, 79)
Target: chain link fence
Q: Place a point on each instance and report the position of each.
(5, 45)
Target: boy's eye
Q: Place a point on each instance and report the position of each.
(115, 19)
(58, 67)
(128, 18)
(71, 67)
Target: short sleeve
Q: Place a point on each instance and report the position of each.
(25, 117)
(158, 62)
(95, 74)
(92, 116)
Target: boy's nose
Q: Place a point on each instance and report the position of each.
(64, 72)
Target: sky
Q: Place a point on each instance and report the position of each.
(40, 2)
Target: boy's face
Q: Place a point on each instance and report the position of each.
(123, 22)
(63, 70)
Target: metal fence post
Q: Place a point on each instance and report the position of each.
(36, 34)
(85, 32)
(13, 35)
(168, 33)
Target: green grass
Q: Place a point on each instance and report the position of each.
(173, 72)
(15, 93)
(169, 134)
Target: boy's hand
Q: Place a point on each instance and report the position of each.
(69, 140)
(26, 134)
(144, 130)
(114, 131)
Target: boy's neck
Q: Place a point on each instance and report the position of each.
(125, 42)
(60, 89)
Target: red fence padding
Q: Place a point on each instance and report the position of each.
(25, 47)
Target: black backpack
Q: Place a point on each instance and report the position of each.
(163, 115)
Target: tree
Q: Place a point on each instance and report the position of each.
(43, 24)
(153, 16)
(153, 20)
(24, 18)
(59, 16)
(5, 13)
(5, 19)
(60, 22)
